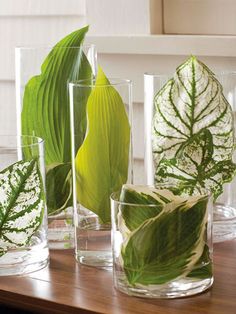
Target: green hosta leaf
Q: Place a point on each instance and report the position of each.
(21, 204)
(194, 168)
(58, 187)
(166, 246)
(46, 109)
(46, 100)
(102, 159)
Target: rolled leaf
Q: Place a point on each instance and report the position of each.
(59, 188)
(22, 204)
(102, 160)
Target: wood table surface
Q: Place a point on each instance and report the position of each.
(67, 287)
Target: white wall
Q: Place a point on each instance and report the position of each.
(30, 23)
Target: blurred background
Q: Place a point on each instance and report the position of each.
(132, 37)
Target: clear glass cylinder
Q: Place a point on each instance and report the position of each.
(42, 95)
(156, 252)
(101, 116)
(23, 219)
(224, 227)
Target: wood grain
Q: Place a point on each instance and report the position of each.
(67, 287)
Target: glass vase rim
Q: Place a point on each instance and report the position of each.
(35, 47)
(113, 198)
(38, 141)
(171, 75)
(114, 81)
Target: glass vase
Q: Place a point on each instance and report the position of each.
(101, 116)
(42, 78)
(157, 253)
(224, 213)
(23, 219)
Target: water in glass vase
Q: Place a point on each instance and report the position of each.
(27, 259)
(61, 230)
(93, 240)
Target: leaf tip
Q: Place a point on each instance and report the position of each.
(101, 77)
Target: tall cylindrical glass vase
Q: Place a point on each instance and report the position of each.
(190, 139)
(101, 113)
(42, 78)
(23, 218)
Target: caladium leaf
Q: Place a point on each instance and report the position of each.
(45, 110)
(102, 160)
(22, 204)
(194, 170)
(166, 246)
(189, 102)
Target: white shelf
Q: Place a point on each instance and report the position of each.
(200, 45)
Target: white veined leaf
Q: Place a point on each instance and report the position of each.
(22, 204)
(189, 102)
(194, 170)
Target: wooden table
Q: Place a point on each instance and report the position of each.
(66, 287)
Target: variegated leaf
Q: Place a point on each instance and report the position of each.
(168, 244)
(193, 168)
(22, 204)
(189, 102)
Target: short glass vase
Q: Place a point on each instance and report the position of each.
(162, 250)
(23, 211)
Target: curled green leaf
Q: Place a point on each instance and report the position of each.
(102, 160)
(58, 187)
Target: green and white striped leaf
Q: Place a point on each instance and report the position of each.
(189, 102)
(194, 170)
(168, 245)
(22, 204)
(132, 216)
